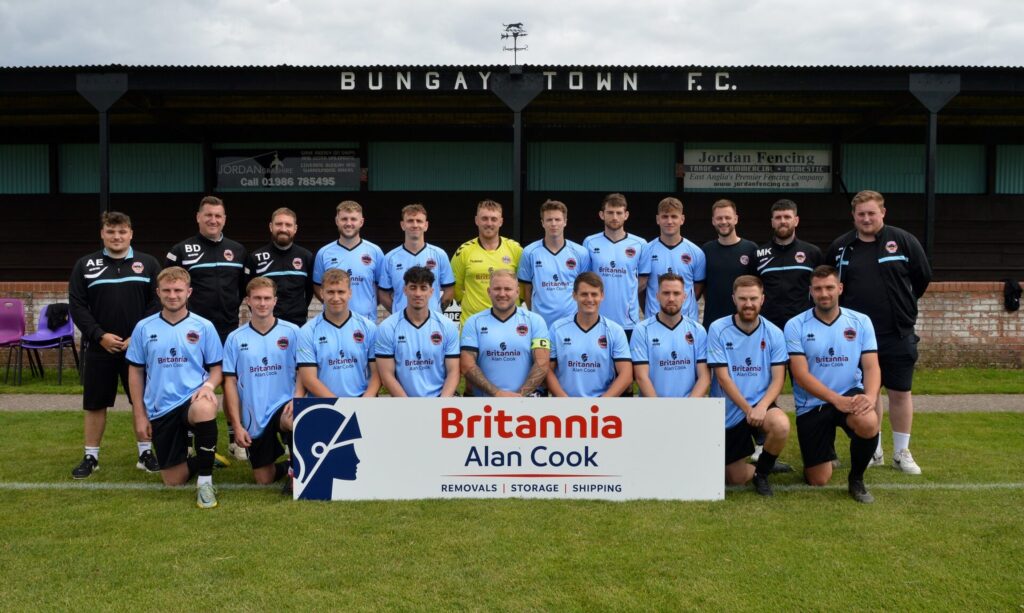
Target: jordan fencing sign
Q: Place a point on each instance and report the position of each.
(586, 448)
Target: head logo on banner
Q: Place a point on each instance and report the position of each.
(323, 449)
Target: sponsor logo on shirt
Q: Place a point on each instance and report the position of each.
(831, 359)
(612, 269)
(173, 359)
(584, 363)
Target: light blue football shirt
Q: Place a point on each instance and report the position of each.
(504, 349)
(586, 358)
(671, 354)
(264, 368)
(399, 260)
(617, 263)
(685, 259)
(551, 276)
(750, 358)
(832, 350)
(419, 351)
(176, 358)
(364, 263)
(341, 354)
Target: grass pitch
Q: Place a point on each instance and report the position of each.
(952, 539)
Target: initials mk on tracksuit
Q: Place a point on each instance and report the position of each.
(292, 270)
(218, 278)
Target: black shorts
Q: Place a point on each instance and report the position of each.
(896, 359)
(739, 439)
(816, 431)
(266, 449)
(170, 436)
(739, 442)
(100, 374)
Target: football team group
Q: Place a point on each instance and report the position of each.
(613, 316)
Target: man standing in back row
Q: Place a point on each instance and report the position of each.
(288, 265)
(475, 259)
(361, 259)
(784, 264)
(884, 271)
(728, 258)
(615, 257)
(670, 252)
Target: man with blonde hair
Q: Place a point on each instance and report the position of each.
(670, 252)
(361, 259)
(475, 259)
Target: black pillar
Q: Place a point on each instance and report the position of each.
(517, 89)
(933, 91)
(102, 91)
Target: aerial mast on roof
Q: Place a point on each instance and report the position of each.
(515, 31)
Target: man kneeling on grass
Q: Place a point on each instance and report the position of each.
(174, 366)
(833, 356)
(259, 383)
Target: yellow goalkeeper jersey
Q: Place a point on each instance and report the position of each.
(472, 265)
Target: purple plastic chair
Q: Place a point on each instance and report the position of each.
(12, 328)
(45, 338)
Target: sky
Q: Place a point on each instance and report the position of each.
(467, 32)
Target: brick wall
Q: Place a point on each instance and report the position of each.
(960, 323)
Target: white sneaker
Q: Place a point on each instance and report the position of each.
(757, 453)
(902, 460)
(878, 459)
(240, 453)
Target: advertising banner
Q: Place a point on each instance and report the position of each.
(288, 170)
(741, 169)
(586, 448)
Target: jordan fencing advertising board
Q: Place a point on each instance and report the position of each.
(586, 448)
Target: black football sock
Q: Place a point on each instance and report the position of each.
(206, 446)
(765, 463)
(861, 451)
(280, 470)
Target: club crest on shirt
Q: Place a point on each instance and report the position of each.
(297, 263)
(744, 259)
(282, 343)
(137, 267)
(506, 259)
(366, 259)
(435, 338)
(800, 257)
(630, 252)
(192, 337)
(522, 330)
(602, 342)
(891, 247)
(229, 255)
(763, 344)
(686, 258)
(689, 338)
(570, 264)
(849, 334)
(357, 336)
(431, 264)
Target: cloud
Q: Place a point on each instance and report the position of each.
(466, 32)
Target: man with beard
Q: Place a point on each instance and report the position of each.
(747, 355)
(505, 349)
(728, 257)
(614, 256)
(669, 350)
(833, 356)
(288, 265)
(362, 260)
(784, 264)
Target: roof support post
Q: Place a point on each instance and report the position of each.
(933, 91)
(517, 89)
(102, 91)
